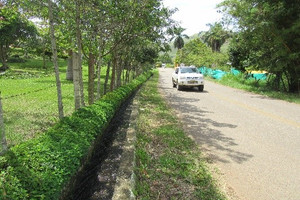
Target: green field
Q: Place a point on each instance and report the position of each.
(29, 98)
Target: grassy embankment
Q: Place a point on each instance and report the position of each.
(169, 164)
(29, 98)
(258, 87)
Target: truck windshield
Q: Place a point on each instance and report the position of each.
(189, 70)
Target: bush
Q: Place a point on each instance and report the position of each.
(41, 167)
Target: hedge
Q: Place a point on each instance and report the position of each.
(40, 168)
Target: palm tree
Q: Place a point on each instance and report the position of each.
(215, 37)
(178, 42)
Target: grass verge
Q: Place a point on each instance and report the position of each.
(168, 162)
(258, 87)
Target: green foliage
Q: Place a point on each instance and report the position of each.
(41, 167)
(165, 58)
(216, 36)
(13, 27)
(179, 36)
(267, 37)
(260, 87)
(195, 52)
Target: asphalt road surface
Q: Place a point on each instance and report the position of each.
(253, 140)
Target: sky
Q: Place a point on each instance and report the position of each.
(193, 15)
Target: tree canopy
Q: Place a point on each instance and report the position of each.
(216, 36)
(178, 36)
(195, 52)
(14, 27)
(267, 37)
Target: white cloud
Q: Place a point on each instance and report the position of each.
(193, 15)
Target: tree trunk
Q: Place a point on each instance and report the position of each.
(99, 72)
(127, 74)
(294, 83)
(79, 45)
(54, 52)
(76, 81)
(119, 69)
(91, 64)
(294, 77)
(123, 77)
(113, 73)
(106, 77)
(3, 57)
(69, 74)
(44, 61)
(2, 130)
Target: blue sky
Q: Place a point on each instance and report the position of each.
(193, 15)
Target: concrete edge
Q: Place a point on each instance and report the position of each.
(125, 182)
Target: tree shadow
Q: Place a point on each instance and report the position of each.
(206, 132)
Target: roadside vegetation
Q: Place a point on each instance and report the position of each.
(168, 163)
(68, 57)
(262, 87)
(43, 167)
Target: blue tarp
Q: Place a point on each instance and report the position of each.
(218, 74)
(258, 76)
(235, 71)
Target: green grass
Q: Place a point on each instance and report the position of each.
(29, 98)
(168, 163)
(258, 87)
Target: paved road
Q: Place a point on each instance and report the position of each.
(253, 140)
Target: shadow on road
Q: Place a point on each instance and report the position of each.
(205, 131)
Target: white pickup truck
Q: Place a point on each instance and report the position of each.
(187, 77)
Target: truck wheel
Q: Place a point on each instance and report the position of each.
(174, 85)
(200, 88)
(178, 87)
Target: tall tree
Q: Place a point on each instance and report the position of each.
(216, 36)
(76, 79)
(269, 32)
(13, 27)
(78, 4)
(55, 60)
(195, 52)
(178, 37)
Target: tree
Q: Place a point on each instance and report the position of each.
(269, 33)
(107, 30)
(215, 37)
(55, 60)
(76, 79)
(165, 58)
(178, 37)
(13, 27)
(195, 52)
